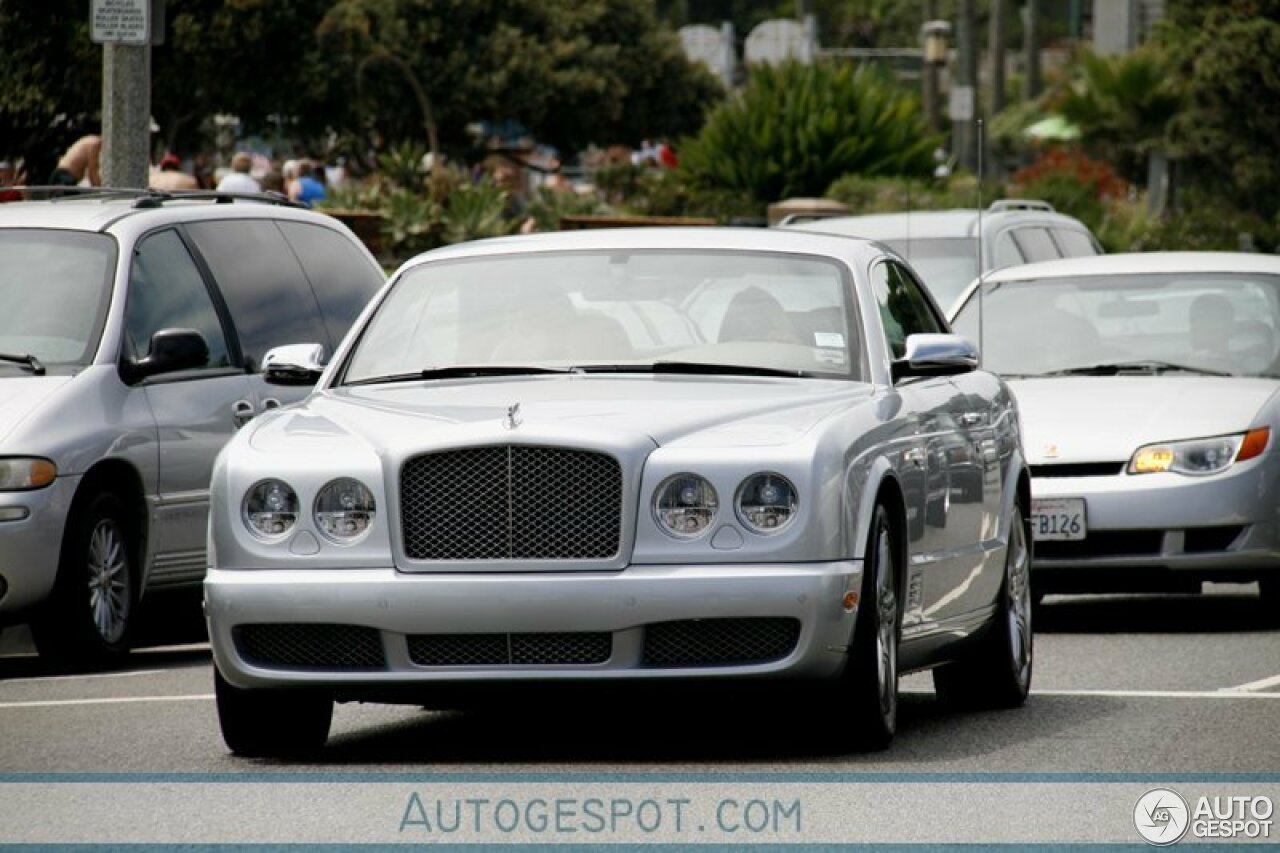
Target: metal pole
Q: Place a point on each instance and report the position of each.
(126, 114)
(1031, 41)
(929, 77)
(996, 50)
(966, 82)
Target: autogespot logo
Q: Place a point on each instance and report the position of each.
(1161, 817)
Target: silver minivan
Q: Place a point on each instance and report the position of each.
(133, 331)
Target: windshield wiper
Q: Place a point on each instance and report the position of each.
(696, 368)
(1149, 365)
(25, 359)
(463, 371)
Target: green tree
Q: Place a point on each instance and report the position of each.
(797, 128)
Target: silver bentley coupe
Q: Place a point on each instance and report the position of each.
(1149, 387)
(671, 458)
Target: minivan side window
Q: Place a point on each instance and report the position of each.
(167, 291)
(342, 277)
(1036, 244)
(1006, 253)
(270, 300)
(904, 309)
(1075, 244)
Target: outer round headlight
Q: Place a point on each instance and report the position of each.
(344, 510)
(685, 505)
(766, 503)
(270, 509)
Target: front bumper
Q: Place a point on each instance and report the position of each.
(30, 545)
(625, 606)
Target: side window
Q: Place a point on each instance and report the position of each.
(341, 275)
(1036, 244)
(270, 300)
(166, 291)
(1075, 244)
(904, 310)
(1006, 251)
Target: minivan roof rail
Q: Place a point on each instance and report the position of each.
(1020, 204)
(148, 197)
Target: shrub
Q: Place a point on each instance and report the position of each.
(1073, 182)
(892, 195)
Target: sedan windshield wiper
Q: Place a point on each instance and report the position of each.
(696, 368)
(463, 371)
(1148, 365)
(25, 359)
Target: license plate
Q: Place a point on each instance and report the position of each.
(1058, 519)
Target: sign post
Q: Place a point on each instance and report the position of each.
(124, 29)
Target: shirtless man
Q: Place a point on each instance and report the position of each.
(81, 159)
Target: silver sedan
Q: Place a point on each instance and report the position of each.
(650, 456)
(1148, 389)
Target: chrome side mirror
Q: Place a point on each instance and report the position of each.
(935, 355)
(295, 364)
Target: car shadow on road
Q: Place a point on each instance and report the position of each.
(1160, 614)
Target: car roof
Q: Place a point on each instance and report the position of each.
(1129, 263)
(929, 224)
(100, 212)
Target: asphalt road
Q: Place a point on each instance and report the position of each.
(1123, 685)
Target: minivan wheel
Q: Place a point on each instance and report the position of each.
(996, 673)
(271, 723)
(89, 617)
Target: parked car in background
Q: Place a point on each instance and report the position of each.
(1148, 389)
(943, 247)
(649, 456)
(132, 340)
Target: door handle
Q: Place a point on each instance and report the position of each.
(915, 456)
(241, 412)
(971, 419)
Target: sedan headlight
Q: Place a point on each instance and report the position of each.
(344, 510)
(1200, 455)
(20, 474)
(685, 505)
(766, 503)
(270, 509)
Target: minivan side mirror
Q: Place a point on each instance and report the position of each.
(170, 350)
(935, 355)
(295, 364)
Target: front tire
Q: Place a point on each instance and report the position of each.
(89, 618)
(997, 672)
(271, 723)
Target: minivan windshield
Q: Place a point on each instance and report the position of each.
(55, 287)
(1167, 324)
(730, 312)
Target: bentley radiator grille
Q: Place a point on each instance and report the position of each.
(309, 646)
(550, 649)
(719, 642)
(511, 503)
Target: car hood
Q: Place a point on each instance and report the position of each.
(1107, 418)
(685, 411)
(22, 395)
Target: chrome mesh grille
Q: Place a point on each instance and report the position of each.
(310, 646)
(547, 649)
(719, 642)
(511, 502)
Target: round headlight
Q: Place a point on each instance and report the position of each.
(685, 505)
(344, 510)
(766, 503)
(270, 509)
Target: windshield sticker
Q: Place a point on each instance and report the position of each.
(828, 339)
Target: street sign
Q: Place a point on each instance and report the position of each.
(961, 104)
(123, 21)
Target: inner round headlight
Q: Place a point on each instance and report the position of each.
(685, 505)
(766, 503)
(270, 509)
(344, 510)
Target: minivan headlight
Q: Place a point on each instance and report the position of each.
(20, 473)
(344, 510)
(1200, 455)
(270, 509)
(685, 505)
(766, 503)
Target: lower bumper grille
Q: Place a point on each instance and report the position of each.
(548, 649)
(1140, 543)
(719, 642)
(311, 646)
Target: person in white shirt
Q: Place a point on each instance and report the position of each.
(239, 180)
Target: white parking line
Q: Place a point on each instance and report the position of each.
(107, 700)
(1253, 686)
(38, 678)
(1145, 694)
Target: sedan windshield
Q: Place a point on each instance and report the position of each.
(743, 313)
(946, 265)
(55, 287)
(1166, 324)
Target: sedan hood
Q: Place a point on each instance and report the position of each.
(22, 395)
(687, 411)
(1107, 418)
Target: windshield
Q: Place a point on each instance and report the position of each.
(1178, 322)
(945, 265)
(55, 287)
(629, 309)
